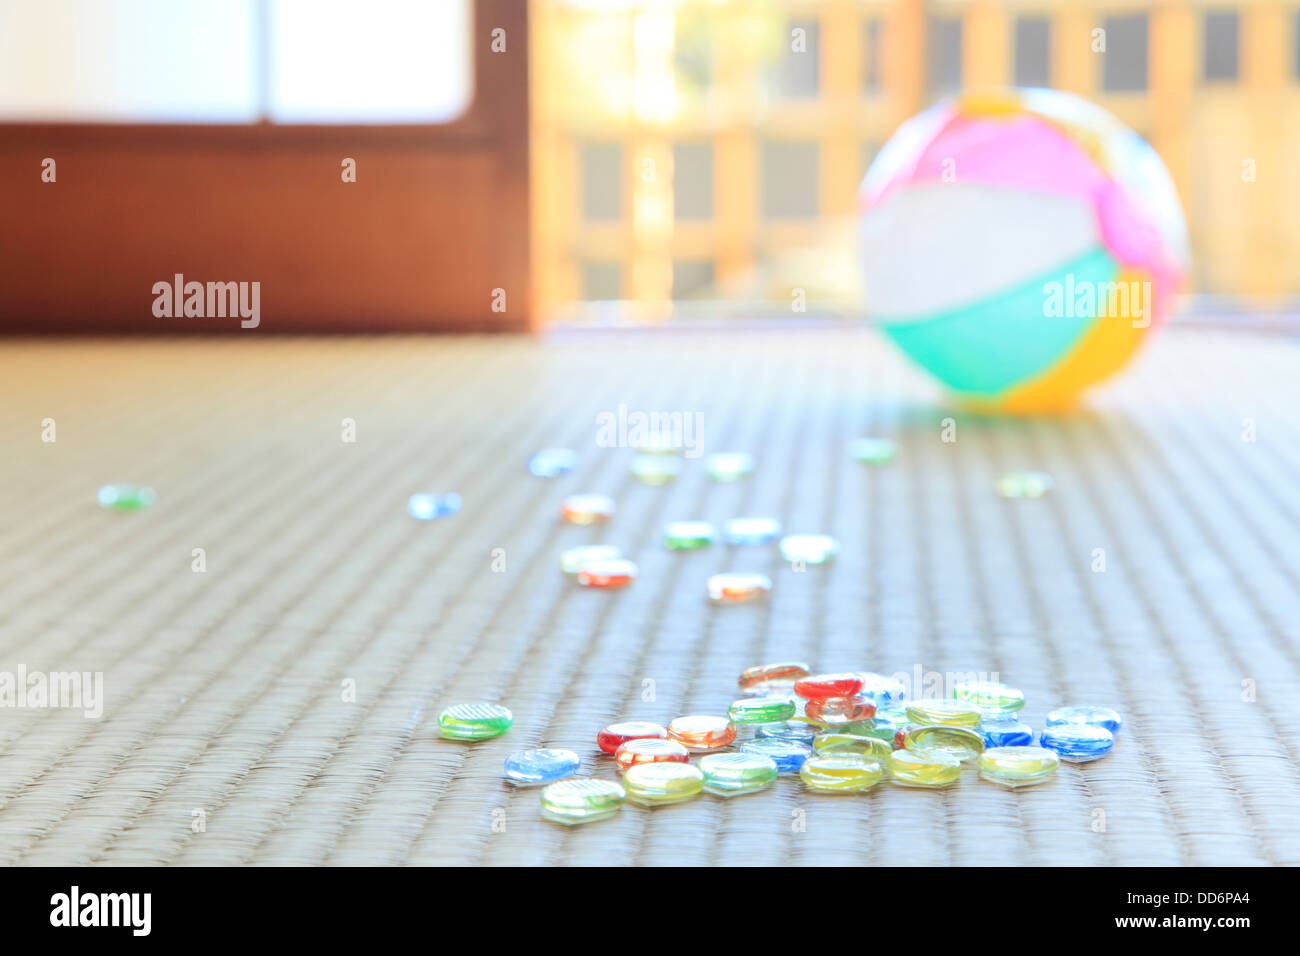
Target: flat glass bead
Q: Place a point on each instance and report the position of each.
(872, 747)
(425, 507)
(959, 742)
(1018, 766)
(650, 750)
(788, 755)
(1024, 484)
(809, 548)
(752, 531)
(658, 443)
(947, 713)
(927, 769)
(729, 465)
(553, 462)
(574, 558)
(1095, 716)
(885, 691)
(761, 710)
(730, 775)
(125, 497)
(587, 509)
(1078, 743)
(1007, 733)
(689, 535)
(838, 772)
(738, 588)
(790, 730)
(700, 733)
(817, 686)
(607, 573)
(995, 701)
(873, 451)
(657, 784)
(839, 710)
(582, 801)
(655, 469)
(617, 734)
(772, 677)
(474, 721)
(529, 768)
(882, 728)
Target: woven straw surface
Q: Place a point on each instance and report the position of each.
(224, 689)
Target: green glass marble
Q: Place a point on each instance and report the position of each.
(948, 713)
(689, 535)
(927, 769)
(761, 710)
(581, 800)
(996, 701)
(873, 451)
(126, 497)
(1024, 484)
(959, 742)
(659, 783)
(474, 721)
(882, 728)
(731, 775)
(1018, 766)
(655, 469)
(728, 466)
(872, 747)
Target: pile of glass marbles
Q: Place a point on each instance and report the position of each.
(840, 733)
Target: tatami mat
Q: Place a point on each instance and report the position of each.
(225, 689)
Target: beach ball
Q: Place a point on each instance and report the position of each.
(1019, 246)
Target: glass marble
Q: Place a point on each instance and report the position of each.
(731, 775)
(582, 800)
(658, 784)
(689, 535)
(530, 768)
(1024, 484)
(752, 531)
(700, 733)
(788, 755)
(882, 728)
(872, 747)
(574, 558)
(995, 701)
(658, 443)
(617, 734)
(553, 462)
(729, 465)
(655, 469)
(607, 573)
(1078, 743)
(805, 549)
(839, 710)
(1095, 716)
(948, 713)
(926, 769)
(790, 730)
(960, 742)
(873, 451)
(840, 772)
(1007, 733)
(738, 588)
(772, 677)
(650, 750)
(125, 497)
(1018, 766)
(818, 686)
(885, 691)
(424, 507)
(587, 509)
(761, 710)
(474, 721)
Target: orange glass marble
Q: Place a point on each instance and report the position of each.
(771, 677)
(839, 710)
(587, 509)
(702, 734)
(650, 750)
(607, 573)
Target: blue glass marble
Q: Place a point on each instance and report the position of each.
(424, 507)
(553, 462)
(788, 755)
(885, 691)
(1007, 733)
(532, 768)
(1078, 743)
(752, 531)
(1094, 716)
(789, 730)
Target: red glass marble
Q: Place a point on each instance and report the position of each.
(828, 685)
(617, 734)
(839, 710)
(650, 750)
(766, 677)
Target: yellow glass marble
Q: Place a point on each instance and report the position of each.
(946, 713)
(959, 742)
(581, 800)
(655, 469)
(872, 747)
(929, 769)
(1018, 766)
(1024, 484)
(660, 783)
(840, 772)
